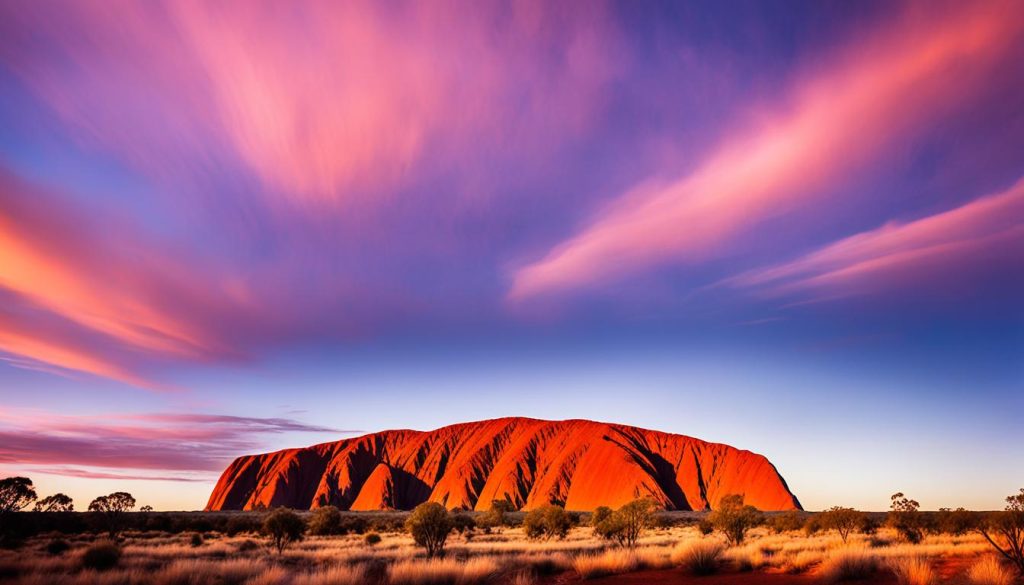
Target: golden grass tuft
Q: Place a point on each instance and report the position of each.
(848, 565)
(913, 570)
(698, 556)
(989, 571)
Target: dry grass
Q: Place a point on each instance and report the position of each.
(913, 570)
(849, 565)
(989, 571)
(698, 557)
(499, 558)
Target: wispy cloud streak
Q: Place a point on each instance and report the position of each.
(838, 120)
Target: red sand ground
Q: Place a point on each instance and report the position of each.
(531, 462)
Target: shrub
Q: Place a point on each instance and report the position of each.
(352, 524)
(57, 546)
(1005, 531)
(325, 521)
(239, 524)
(733, 519)
(848, 565)
(698, 557)
(600, 514)
(547, 522)
(247, 545)
(613, 562)
(842, 520)
(196, 539)
(283, 526)
(705, 526)
(913, 571)
(463, 524)
(430, 525)
(101, 556)
(956, 522)
(905, 518)
(988, 571)
(788, 522)
(372, 538)
(15, 494)
(497, 515)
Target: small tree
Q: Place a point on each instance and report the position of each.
(283, 526)
(146, 508)
(547, 522)
(626, 524)
(496, 515)
(842, 520)
(600, 514)
(904, 516)
(1005, 530)
(55, 503)
(430, 524)
(325, 521)
(734, 519)
(113, 508)
(15, 494)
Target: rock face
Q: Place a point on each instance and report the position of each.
(577, 463)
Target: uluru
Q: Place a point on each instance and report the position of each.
(579, 464)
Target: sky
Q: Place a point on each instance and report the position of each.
(793, 227)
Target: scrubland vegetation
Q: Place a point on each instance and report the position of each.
(434, 546)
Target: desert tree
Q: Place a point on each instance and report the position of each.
(626, 525)
(734, 519)
(497, 514)
(600, 514)
(1005, 530)
(546, 522)
(55, 503)
(905, 517)
(430, 524)
(146, 508)
(842, 520)
(283, 527)
(113, 509)
(15, 494)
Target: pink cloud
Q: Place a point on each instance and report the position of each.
(900, 253)
(835, 122)
(190, 443)
(320, 102)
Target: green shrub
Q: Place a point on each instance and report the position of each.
(547, 522)
(787, 522)
(905, 518)
(101, 556)
(842, 520)
(283, 526)
(430, 525)
(325, 521)
(733, 519)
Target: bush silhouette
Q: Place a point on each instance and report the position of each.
(430, 524)
(55, 503)
(102, 556)
(1005, 531)
(15, 494)
(905, 518)
(283, 526)
(112, 510)
(372, 538)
